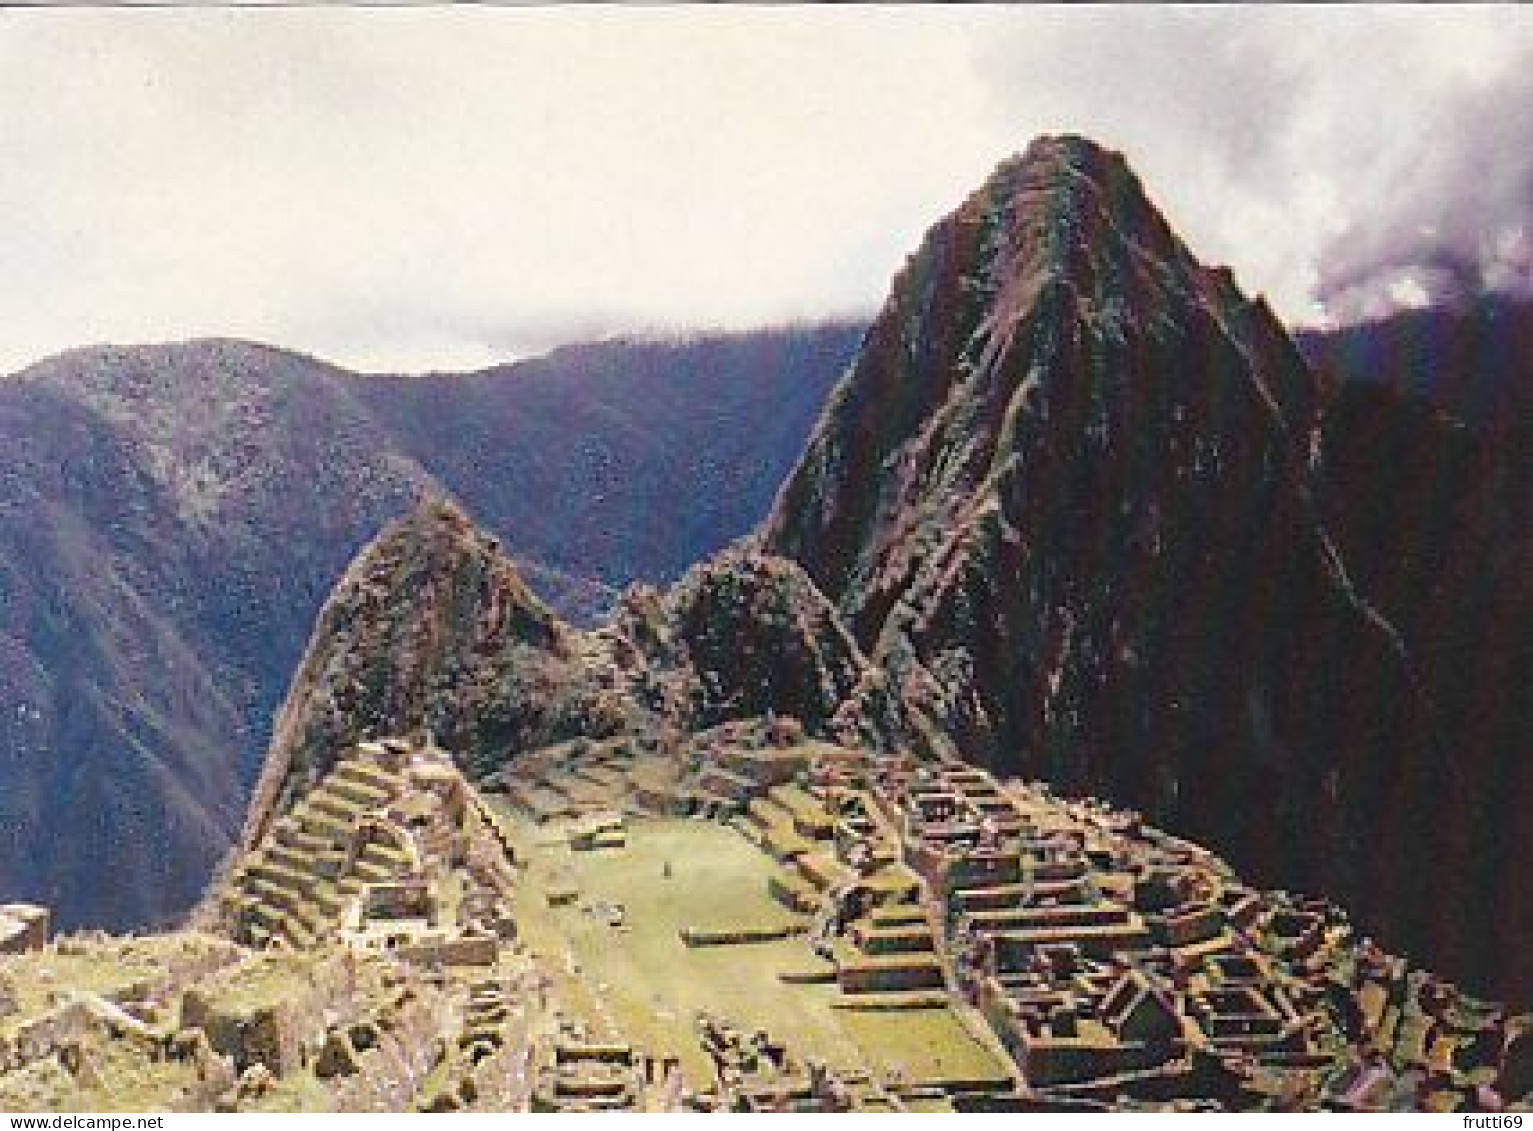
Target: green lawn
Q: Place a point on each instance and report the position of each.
(648, 986)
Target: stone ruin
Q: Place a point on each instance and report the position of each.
(392, 850)
(23, 927)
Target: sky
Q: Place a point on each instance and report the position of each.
(445, 187)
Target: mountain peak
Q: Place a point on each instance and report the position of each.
(419, 636)
(1054, 382)
(1057, 159)
(238, 358)
(1070, 216)
(437, 514)
(1056, 292)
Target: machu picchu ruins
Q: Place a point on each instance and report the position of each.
(744, 919)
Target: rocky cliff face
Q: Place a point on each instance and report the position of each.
(1059, 418)
(1030, 317)
(1078, 498)
(1428, 487)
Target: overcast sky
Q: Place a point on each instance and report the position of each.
(444, 187)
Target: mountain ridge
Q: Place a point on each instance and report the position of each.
(165, 550)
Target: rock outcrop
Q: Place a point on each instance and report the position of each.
(431, 632)
(759, 639)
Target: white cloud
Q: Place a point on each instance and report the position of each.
(447, 186)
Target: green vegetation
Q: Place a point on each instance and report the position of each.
(646, 985)
(111, 969)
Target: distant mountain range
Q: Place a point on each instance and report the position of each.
(1474, 362)
(172, 517)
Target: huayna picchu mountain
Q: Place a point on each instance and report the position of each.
(1093, 518)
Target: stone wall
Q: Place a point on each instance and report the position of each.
(266, 1036)
(467, 951)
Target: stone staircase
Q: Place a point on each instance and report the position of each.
(895, 955)
(292, 889)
